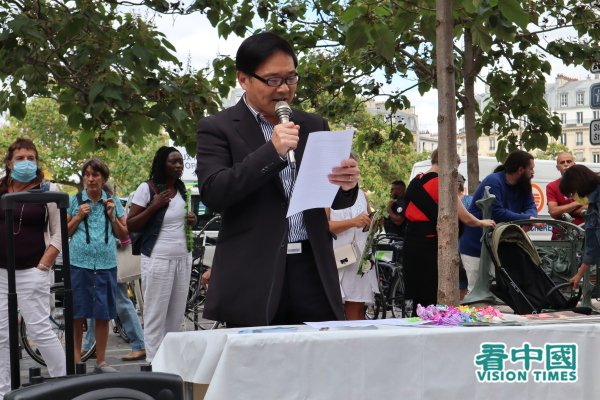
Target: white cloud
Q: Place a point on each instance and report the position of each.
(194, 37)
(426, 107)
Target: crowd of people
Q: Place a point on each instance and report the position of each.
(97, 226)
(268, 268)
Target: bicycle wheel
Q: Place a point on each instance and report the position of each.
(376, 310)
(386, 273)
(57, 321)
(117, 328)
(396, 297)
(195, 300)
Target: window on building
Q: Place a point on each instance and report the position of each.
(580, 117)
(596, 157)
(578, 138)
(579, 156)
(563, 138)
(564, 99)
(492, 143)
(580, 98)
(563, 118)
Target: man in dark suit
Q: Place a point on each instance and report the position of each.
(267, 269)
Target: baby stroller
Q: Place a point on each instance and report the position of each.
(520, 281)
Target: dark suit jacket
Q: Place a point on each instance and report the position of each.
(238, 176)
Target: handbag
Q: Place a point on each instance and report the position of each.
(136, 237)
(346, 255)
(128, 264)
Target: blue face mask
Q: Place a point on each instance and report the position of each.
(24, 171)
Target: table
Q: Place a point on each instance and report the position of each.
(387, 363)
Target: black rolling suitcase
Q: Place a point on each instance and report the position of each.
(9, 202)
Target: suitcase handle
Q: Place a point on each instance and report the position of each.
(36, 196)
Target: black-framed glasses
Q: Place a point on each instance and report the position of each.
(277, 81)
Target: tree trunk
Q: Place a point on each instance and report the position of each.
(469, 106)
(447, 218)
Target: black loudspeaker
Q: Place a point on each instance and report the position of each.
(118, 385)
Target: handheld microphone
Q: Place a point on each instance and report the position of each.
(283, 113)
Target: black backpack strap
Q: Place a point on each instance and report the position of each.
(80, 201)
(425, 203)
(151, 188)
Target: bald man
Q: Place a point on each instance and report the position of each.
(559, 203)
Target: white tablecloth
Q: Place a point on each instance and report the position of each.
(388, 363)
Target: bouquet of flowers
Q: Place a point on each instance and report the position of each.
(452, 316)
(189, 235)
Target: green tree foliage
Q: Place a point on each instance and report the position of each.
(115, 77)
(62, 157)
(383, 156)
(504, 44)
(553, 150)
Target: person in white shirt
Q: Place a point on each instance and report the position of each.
(159, 213)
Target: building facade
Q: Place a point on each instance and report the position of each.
(570, 99)
(408, 118)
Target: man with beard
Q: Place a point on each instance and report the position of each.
(511, 184)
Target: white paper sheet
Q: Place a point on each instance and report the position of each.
(324, 151)
(364, 323)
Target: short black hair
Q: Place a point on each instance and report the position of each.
(157, 173)
(256, 49)
(399, 182)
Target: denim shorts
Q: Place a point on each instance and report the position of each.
(94, 293)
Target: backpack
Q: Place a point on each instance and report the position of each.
(80, 201)
(136, 237)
